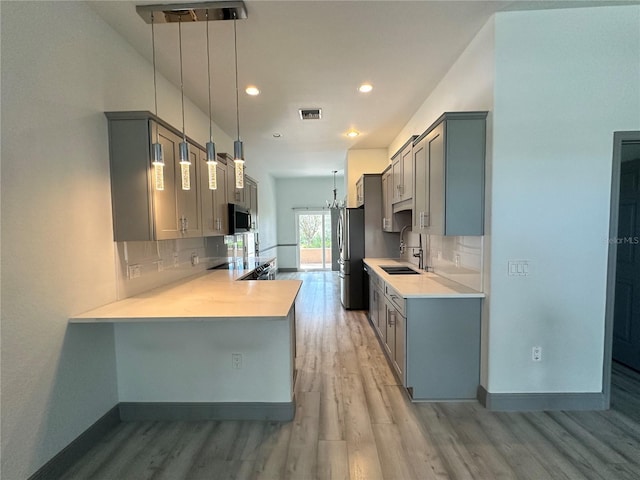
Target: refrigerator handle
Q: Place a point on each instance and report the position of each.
(345, 233)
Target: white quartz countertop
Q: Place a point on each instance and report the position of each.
(210, 296)
(424, 285)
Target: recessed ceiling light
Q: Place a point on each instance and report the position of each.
(352, 133)
(365, 88)
(251, 90)
(277, 135)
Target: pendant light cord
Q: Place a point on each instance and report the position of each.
(235, 43)
(155, 86)
(184, 135)
(209, 79)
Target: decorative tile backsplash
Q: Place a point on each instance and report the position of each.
(141, 266)
(456, 258)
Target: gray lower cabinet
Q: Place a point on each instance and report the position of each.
(396, 333)
(448, 167)
(374, 302)
(432, 344)
(215, 214)
(443, 348)
(141, 211)
(382, 314)
(377, 305)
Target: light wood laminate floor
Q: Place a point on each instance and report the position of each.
(353, 421)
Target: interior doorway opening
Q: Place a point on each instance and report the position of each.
(622, 318)
(314, 240)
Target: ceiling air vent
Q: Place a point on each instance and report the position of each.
(310, 113)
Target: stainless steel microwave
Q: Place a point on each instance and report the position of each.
(239, 219)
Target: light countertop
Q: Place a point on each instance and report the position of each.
(424, 285)
(210, 296)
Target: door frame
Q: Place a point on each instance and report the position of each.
(619, 139)
(313, 211)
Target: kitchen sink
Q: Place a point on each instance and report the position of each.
(399, 270)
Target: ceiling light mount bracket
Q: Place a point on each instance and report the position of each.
(193, 12)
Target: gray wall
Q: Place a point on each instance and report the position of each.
(299, 192)
(62, 67)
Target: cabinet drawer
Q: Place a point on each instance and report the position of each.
(396, 299)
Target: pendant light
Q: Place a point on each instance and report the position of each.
(335, 203)
(238, 149)
(157, 159)
(183, 147)
(212, 164)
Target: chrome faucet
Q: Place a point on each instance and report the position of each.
(402, 245)
(420, 254)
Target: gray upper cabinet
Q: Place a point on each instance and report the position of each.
(448, 166)
(215, 214)
(387, 199)
(188, 201)
(141, 212)
(251, 199)
(402, 175)
(360, 192)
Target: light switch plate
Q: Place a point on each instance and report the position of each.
(518, 268)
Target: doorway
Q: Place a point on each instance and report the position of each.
(622, 320)
(314, 240)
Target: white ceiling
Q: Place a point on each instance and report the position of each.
(315, 54)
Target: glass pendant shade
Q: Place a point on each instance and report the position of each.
(238, 160)
(157, 161)
(184, 166)
(212, 164)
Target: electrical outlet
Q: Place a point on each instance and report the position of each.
(195, 260)
(536, 354)
(134, 271)
(236, 361)
(175, 260)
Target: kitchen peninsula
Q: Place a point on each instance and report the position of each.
(203, 348)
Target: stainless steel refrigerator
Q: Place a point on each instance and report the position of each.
(351, 251)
